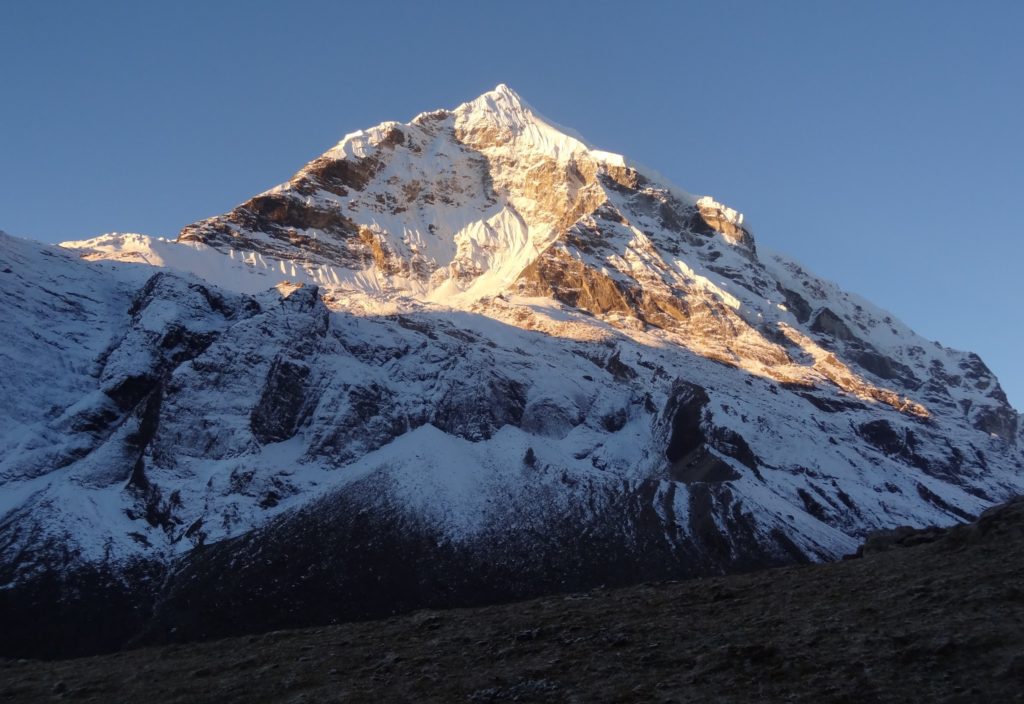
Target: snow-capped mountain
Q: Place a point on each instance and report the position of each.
(457, 360)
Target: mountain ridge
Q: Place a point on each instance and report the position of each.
(478, 359)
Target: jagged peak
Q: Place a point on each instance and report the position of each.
(501, 116)
(503, 89)
(501, 100)
(504, 97)
(501, 108)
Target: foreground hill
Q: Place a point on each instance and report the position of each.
(931, 616)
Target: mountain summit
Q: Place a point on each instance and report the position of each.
(457, 360)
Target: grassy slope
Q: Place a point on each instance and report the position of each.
(942, 621)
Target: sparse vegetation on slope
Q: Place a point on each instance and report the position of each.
(934, 616)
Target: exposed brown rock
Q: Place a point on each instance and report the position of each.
(385, 260)
(337, 175)
(392, 137)
(719, 221)
(573, 283)
(625, 177)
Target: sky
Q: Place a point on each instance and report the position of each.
(881, 144)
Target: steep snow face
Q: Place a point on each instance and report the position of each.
(453, 205)
(490, 344)
(438, 207)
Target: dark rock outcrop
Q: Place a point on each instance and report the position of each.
(689, 458)
(282, 406)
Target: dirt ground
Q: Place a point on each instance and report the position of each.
(936, 622)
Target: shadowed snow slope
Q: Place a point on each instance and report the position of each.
(458, 360)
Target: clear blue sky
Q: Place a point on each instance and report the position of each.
(880, 143)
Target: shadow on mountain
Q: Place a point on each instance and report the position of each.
(358, 552)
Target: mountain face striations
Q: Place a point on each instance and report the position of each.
(451, 362)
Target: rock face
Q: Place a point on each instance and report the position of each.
(463, 359)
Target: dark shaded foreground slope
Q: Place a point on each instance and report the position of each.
(929, 616)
